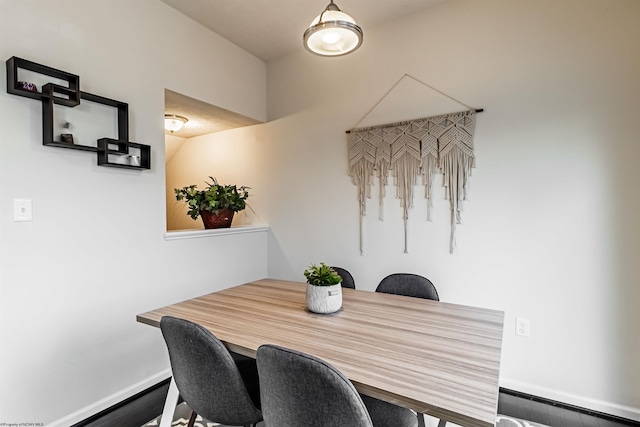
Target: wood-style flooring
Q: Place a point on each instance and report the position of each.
(145, 406)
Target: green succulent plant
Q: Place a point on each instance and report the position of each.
(322, 275)
(213, 198)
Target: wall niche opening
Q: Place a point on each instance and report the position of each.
(194, 153)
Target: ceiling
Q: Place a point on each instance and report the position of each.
(203, 118)
(268, 29)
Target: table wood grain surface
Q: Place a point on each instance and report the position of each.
(433, 357)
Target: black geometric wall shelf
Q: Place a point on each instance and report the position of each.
(118, 153)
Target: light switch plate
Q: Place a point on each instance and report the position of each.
(22, 210)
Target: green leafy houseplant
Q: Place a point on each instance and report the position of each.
(214, 198)
(322, 275)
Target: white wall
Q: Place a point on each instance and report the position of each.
(94, 256)
(550, 229)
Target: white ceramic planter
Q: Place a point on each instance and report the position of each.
(324, 299)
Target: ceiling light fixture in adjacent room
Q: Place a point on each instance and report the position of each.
(332, 33)
(174, 123)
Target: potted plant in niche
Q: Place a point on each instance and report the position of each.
(216, 204)
(324, 289)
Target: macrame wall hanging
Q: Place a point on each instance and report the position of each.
(412, 149)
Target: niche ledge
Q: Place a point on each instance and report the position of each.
(196, 234)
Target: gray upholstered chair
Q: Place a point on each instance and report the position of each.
(410, 285)
(298, 389)
(385, 414)
(347, 278)
(208, 378)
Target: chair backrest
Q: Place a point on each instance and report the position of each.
(206, 375)
(297, 389)
(347, 278)
(410, 285)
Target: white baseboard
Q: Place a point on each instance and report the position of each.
(107, 402)
(572, 399)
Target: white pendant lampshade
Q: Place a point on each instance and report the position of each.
(174, 123)
(332, 33)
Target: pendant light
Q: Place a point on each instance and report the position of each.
(332, 33)
(174, 123)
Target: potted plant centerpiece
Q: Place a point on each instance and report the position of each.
(324, 289)
(216, 204)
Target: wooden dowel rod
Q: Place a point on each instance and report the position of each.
(478, 110)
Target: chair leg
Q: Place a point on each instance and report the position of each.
(442, 423)
(192, 419)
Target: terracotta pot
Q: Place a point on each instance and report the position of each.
(220, 220)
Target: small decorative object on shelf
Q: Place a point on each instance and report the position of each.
(71, 96)
(27, 86)
(324, 289)
(67, 137)
(133, 160)
(216, 204)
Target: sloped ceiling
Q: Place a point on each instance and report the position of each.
(203, 118)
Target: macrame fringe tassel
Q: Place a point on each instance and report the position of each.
(361, 234)
(456, 161)
(429, 166)
(405, 161)
(383, 163)
(429, 157)
(361, 164)
(406, 232)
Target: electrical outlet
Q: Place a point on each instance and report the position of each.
(523, 327)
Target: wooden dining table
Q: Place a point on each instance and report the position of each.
(433, 357)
